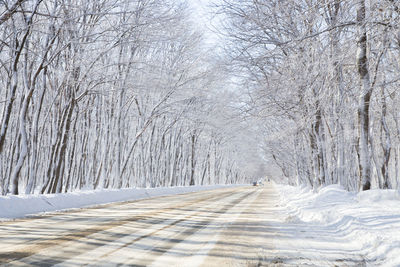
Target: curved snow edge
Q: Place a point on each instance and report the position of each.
(369, 220)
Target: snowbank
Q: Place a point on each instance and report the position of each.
(12, 207)
(369, 220)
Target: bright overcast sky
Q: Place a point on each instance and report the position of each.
(200, 10)
(201, 14)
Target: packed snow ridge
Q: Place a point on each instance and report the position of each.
(366, 223)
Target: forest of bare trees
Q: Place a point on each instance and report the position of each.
(322, 78)
(110, 94)
(130, 93)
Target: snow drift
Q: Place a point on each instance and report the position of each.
(369, 221)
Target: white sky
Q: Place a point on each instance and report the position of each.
(201, 14)
(200, 6)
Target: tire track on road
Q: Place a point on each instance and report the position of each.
(31, 250)
(193, 228)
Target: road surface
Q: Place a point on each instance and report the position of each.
(224, 227)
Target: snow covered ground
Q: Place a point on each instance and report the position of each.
(340, 222)
(331, 225)
(12, 207)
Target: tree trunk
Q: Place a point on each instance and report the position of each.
(193, 161)
(365, 97)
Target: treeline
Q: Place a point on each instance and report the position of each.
(107, 94)
(322, 78)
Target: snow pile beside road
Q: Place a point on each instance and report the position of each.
(369, 220)
(12, 207)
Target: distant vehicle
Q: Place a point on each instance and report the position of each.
(255, 184)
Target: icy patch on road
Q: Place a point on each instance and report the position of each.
(12, 207)
(365, 223)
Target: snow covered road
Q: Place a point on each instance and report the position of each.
(240, 226)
